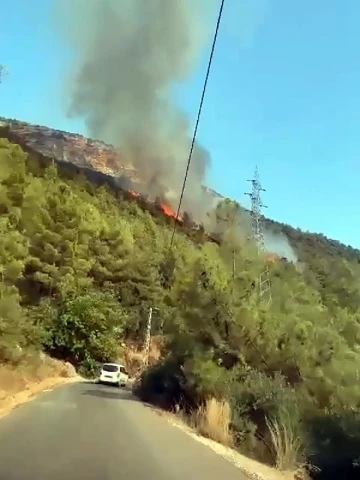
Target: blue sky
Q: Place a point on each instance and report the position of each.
(283, 94)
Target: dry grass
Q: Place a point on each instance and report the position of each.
(135, 357)
(253, 469)
(213, 421)
(210, 426)
(19, 384)
(286, 442)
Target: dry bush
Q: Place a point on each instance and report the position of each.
(134, 360)
(213, 419)
(287, 441)
(34, 373)
(33, 369)
(135, 357)
(10, 381)
(56, 368)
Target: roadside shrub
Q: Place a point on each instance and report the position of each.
(205, 379)
(17, 332)
(261, 396)
(262, 407)
(335, 445)
(165, 385)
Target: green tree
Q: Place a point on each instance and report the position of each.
(87, 329)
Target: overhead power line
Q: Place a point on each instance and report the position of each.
(198, 119)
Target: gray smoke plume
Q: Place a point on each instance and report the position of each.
(128, 56)
(228, 217)
(276, 242)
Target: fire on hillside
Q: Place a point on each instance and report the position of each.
(164, 207)
(100, 163)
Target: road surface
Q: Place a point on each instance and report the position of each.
(84, 431)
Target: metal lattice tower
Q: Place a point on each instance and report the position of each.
(264, 283)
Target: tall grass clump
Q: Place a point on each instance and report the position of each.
(213, 419)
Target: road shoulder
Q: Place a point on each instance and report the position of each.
(251, 468)
(19, 386)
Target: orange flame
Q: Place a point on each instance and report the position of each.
(133, 193)
(165, 208)
(169, 212)
(271, 257)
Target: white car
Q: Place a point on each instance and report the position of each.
(114, 374)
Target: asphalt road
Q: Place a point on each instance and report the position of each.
(85, 431)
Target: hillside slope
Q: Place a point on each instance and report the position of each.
(96, 156)
(81, 265)
(316, 255)
(69, 148)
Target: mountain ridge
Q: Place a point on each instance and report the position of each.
(101, 158)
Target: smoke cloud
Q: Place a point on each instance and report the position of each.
(279, 244)
(128, 55)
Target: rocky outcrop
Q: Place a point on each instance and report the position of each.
(74, 149)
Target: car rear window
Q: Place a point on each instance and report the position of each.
(110, 368)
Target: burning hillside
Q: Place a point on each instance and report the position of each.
(88, 154)
(125, 96)
(164, 207)
(169, 212)
(98, 158)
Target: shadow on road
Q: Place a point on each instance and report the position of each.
(113, 393)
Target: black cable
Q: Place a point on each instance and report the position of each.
(197, 120)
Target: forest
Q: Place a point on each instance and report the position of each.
(80, 265)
